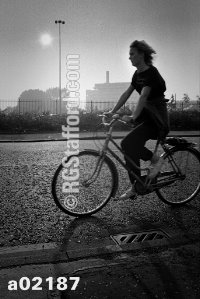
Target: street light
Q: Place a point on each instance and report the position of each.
(59, 22)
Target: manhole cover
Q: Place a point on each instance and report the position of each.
(140, 237)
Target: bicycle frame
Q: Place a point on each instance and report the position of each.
(145, 184)
(106, 149)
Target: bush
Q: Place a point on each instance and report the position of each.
(34, 123)
(184, 120)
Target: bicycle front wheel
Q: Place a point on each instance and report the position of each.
(179, 176)
(95, 183)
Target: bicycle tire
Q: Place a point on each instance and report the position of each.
(183, 190)
(89, 201)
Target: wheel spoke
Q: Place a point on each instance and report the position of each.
(95, 185)
(186, 181)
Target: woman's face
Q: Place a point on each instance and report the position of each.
(136, 57)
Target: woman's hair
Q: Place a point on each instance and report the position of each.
(143, 47)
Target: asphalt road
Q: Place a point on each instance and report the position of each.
(29, 215)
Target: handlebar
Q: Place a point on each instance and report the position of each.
(115, 117)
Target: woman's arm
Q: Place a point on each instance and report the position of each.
(122, 100)
(141, 102)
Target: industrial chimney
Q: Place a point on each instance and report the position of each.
(107, 76)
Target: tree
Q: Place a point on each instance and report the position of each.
(186, 99)
(33, 100)
(198, 102)
(40, 102)
(172, 103)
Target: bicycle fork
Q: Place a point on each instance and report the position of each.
(95, 173)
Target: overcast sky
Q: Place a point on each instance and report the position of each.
(100, 32)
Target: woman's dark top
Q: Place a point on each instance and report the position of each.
(152, 78)
(155, 108)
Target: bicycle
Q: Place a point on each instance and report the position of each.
(177, 183)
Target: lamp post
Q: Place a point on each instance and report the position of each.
(59, 22)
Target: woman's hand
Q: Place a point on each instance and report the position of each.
(128, 118)
(108, 113)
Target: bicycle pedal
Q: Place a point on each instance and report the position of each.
(140, 189)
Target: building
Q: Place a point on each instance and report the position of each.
(105, 95)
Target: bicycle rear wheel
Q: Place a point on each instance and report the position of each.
(92, 189)
(179, 188)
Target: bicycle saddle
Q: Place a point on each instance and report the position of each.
(175, 141)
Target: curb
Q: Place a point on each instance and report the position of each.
(53, 253)
(131, 275)
(49, 140)
(88, 138)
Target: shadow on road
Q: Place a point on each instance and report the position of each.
(169, 274)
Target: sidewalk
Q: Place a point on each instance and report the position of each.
(148, 272)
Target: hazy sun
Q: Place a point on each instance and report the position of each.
(46, 39)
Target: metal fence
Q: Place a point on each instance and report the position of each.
(30, 106)
(179, 106)
(53, 106)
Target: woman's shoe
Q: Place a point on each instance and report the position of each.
(130, 193)
(155, 167)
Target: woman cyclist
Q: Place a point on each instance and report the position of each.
(150, 116)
